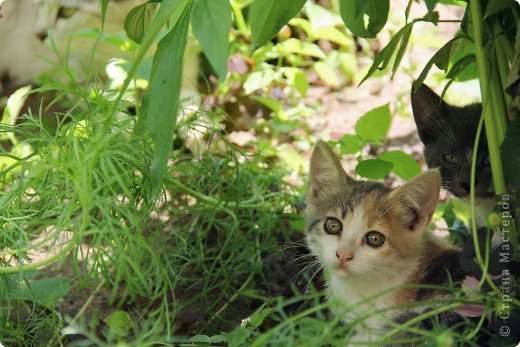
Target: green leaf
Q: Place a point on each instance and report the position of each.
(301, 83)
(258, 80)
(200, 339)
(327, 74)
(495, 6)
(354, 13)
(441, 59)
(383, 58)
(373, 168)
(295, 46)
(45, 291)
(350, 144)
(404, 165)
(430, 5)
(260, 314)
(272, 104)
(138, 21)
(119, 323)
(211, 22)
(267, 17)
(237, 337)
(511, 154)
(285, 126)
(402, 47)
(467, 71)
(461, 65)
(104, 6)
(374, 125)
(161, 101)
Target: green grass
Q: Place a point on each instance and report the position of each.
(213, 250)
(217, 258)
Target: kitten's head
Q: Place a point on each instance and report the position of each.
(364, 229)
(448, 134)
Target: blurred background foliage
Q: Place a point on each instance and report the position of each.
(123, 223)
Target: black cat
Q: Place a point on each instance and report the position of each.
(448, 133)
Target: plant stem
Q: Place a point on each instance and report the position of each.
(493, 135)
(239, 18)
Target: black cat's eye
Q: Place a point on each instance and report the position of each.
(332, 226)
(374, 239)
(450, 158)
(486, 161)
(66, 12)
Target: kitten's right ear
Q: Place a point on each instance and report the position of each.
(426, 106)
(326, 173)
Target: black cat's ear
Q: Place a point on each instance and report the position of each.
(414, 203)
(426, 106)
(326, 173)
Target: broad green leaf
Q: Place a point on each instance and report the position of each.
(300, 83)
(441, 59)
(284, 126)
(238, 336)
(495, 6)
(119, 323)
(272, 104)
(510, 150)
(350, 144)
(355, 13)
(267, 17)
(374, 169)
(461, 65)
(327, 74)
(138, 21)
(211, 22)
(258, 80)
(45, 291)
(465, 70)
(404, 165)
(374, 125)
(348, 64)
(161, 101)
(295, 46)
(333, 35)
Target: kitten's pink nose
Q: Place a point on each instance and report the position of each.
(344, 257)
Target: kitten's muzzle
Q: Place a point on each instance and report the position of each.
(344, 257)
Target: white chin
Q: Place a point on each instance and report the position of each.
(341, 271)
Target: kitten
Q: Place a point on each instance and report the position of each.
(448, 134)
(370, 238)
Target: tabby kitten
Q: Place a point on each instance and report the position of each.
(370, 239)
(448, 134)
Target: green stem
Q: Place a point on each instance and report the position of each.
(493, 136)
(239, 18)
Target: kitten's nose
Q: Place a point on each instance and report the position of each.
(344, 257)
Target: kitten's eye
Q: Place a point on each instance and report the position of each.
(66, 12)
(374, 239)
(450, 158)
(486, 161)
(332, 226)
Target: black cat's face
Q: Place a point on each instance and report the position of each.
(448, 134)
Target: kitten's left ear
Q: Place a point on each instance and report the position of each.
(325, 174)
(415, 201)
